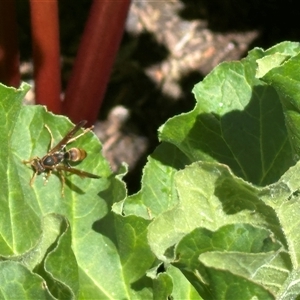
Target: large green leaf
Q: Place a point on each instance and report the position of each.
(71, 247)
(232, 226)
(238, 121)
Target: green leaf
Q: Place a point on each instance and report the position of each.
(217, 199)
(226, 286)
(233, 230)
(276, 56)
(182, 288)
(15, 212)
(238, 120)
(162, 286)
(81, 205)
(157, 193)
(74, 244)
(285, 79)
(60, 264)
(17, 282)
(223, 225)
(248, 252)
(284, 198)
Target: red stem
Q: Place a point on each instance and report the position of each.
(9, 51)
(46, 59)
(96, 54)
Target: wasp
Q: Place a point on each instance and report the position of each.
(58, 157)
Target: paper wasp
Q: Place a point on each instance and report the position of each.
(58, 157)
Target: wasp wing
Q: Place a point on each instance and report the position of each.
(66, 139)
(78, 172)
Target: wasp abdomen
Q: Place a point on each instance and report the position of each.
(75, 154)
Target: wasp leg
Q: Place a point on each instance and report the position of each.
(30, 161)
(62, 178)
(47, 176)
(79, 135)
(26, 162)
(32, 178)
(51, 136)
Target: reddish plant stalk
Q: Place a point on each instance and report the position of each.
(96, 54)
(9, 51)
(46, 56)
